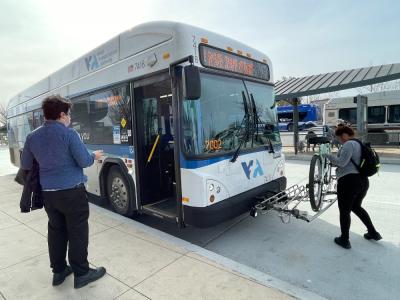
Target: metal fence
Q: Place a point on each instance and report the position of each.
(391, 139)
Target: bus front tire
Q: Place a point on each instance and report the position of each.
(118, 192)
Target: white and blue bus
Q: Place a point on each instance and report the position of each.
(186, 118)
(383, 115)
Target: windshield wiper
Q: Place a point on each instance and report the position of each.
(256, 121)
(245, 120)
(256, 118)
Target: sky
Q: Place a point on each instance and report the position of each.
(305, 37)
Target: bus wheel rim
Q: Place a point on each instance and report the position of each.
(119, 193)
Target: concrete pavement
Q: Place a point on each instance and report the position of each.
(141, 262)
(304, 254)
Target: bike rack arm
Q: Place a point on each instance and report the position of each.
(292, 195)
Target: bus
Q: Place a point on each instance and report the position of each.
(383, 115)
(309, 115)
(186, 119)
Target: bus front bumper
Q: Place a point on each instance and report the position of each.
(232, 207)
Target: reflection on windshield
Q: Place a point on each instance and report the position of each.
(266, 129)
(217, 122)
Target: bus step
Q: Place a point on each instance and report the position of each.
(164, 209)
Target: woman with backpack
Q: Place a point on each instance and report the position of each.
(351, 186)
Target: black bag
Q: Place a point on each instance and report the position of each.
(369, 164)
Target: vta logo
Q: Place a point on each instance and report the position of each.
(258, 171)
(91, 62)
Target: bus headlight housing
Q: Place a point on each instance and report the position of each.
(216, 191)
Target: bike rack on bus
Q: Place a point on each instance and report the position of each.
(287, 201)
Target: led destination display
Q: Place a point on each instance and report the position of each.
(222, 60)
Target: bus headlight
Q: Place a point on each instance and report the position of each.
(216, 191)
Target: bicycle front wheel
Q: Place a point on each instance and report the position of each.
(315, 182)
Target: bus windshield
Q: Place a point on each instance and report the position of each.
(220, 119)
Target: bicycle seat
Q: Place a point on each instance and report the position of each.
(319, 140)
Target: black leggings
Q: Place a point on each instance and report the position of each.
(351, 190)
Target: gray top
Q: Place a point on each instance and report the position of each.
(350, 150)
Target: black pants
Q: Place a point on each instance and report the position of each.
(68, 212)
(351, 191)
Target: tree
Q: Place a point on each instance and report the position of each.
(2, 115)
(380, 87)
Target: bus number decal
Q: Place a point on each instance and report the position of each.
(213, 145)
(136, 66)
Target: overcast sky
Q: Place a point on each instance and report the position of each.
(306, 37)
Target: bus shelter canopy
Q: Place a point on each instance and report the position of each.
(335, 81)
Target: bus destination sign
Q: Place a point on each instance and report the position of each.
(222, 60)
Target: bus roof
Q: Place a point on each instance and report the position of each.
(178, 39)
(377, 98)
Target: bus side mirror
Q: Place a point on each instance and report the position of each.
(192, 82)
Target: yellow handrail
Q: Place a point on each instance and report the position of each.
(154, 148)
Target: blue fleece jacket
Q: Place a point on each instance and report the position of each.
(60, 153)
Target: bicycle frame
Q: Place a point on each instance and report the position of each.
(324, 149)
(326, 179)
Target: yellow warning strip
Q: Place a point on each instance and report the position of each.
(154, 148)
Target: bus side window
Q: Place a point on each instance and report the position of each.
(29, 117)
(80, 118)
(394, 114)
(110, 117)
(38, 118)
(376, 114)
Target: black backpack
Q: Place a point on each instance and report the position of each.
(369, 164)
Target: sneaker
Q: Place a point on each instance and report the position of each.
(90, 276)
(343, 243)
(59, 278)
(373, 236)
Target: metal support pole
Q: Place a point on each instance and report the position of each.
(295, 103)
(362, 106)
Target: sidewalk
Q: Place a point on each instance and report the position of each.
(141, 262)
(386, 155)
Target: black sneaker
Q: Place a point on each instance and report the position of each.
(59, 278)
(90, 276)
(373, 236)
(343, 243)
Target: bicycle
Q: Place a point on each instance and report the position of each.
(320, 178)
